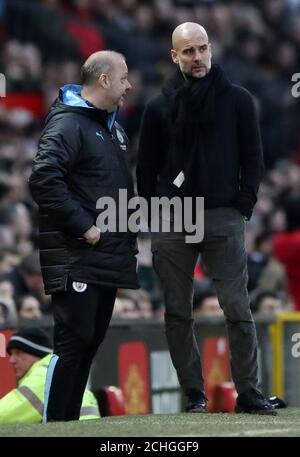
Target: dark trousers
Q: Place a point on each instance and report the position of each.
(81, 321)
(224, 255)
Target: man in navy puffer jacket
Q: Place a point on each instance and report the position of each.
(81, 158)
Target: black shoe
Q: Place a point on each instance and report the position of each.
(278, 402)
(253, 402)
(196, 406)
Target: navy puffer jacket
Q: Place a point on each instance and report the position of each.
(81, 157)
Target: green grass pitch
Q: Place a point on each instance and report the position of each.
(286, 423)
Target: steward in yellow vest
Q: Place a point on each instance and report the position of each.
(25, 404)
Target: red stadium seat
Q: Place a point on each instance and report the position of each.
(111, 401)
(224, 397)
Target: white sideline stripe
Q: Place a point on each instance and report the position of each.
(248, 432)
(30, 344)
(268, 431)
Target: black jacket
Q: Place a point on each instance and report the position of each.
(232, 148)
(80, 159)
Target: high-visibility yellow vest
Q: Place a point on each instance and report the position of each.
(25, 404)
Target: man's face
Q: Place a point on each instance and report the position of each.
(21, 362)
(193, 54)
(119, 84)
(270, 305)
(210, 307)
(30, 308)
(34, 281)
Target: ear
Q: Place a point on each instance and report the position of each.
(104, 80)
(174, 56)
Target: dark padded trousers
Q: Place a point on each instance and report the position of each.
(224, 256)
(81, 320)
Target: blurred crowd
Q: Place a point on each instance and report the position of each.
(44, 43)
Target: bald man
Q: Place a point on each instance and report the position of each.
(200, 138)
(82, 157)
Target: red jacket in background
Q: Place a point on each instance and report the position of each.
(287, 250)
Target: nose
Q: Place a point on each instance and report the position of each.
(12, 359)
(198, 56)
(129, 86)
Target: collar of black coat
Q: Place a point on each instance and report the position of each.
(58, 107)
(177, 81)
(192, 100)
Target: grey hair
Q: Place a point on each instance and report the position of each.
(98, 63)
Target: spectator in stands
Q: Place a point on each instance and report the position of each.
(30, 353)
(180, 155)
(81, 274)
(9, 261)
(287, 248)
(207, 304)
(125, 308)
(263, 269)
(8, 314)
(27, 277)
(6, 238)
(29, 307)
(3, 314)
(6, 289)
(266, 302)
(16, 217)
(133, 304)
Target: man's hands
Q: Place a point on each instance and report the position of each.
(92, 235)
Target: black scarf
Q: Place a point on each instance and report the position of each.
(190, 115)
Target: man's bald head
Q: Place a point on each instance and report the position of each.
(191, 49)
(185, 31)
(104, 77)
(101, 62)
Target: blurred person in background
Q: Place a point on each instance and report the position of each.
(30, 353)
(82, 157)
(133, 304)
(3, 314)
(9, 260)
(125, 308)
(181, 133)
(28, 307)
(141, 300)
(266, 302)
(8, 314)
(263, 269)
(26, 278)
(207, 304)
(287, 248)
(6, 238)
(7, 289)
(16, 217)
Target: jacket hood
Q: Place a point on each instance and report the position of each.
(70, 94)
(69, 100)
